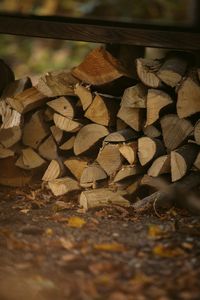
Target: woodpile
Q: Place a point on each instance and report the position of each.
(97, 130)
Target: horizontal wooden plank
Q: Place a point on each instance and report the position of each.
(101, 31)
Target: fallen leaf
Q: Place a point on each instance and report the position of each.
(76, 222)
(164, 251)
(113, 247)
(156, 232)
(66, 244)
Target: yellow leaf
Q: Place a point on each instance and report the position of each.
(164, 251)
(113, 247)
(76, 222)
(156, 231)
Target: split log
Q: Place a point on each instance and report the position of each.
(134, 117)
(76, 165)
(48, 149)
(84, 95)
(62, 186)
(101, 197)
(110, 158)
(175, 131)
(27, 100)
(68, 145)
(55, 170)
(182, 160)
(103, 111)
(161, 165)
(149, 149)
(151, 131)
(4, 152)
(129, 152)
(197, 132)
(10, 136)
(156, 101)
(126, 172)
(57, 134)
(188, 102)
(90, 136)
(146, 71)
(29, 159)
(120, 125)
(66, 124)
(92, 176)
(63, 106)
(35, 130)
(135, 96)
(16, 87)
(121, 136)
(173, 69)
(197, 161)
(57, 83)
(99, 67)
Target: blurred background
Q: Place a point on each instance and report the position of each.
(33, 56)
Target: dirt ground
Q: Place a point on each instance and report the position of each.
(51, 250)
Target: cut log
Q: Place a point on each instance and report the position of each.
(146, 71)
(110, 158)
(151, 131)
(68, 145)
(88, 137)
(182, 160)
(76, 165)
(126, 172)
(27, 100)
(35, 130)
(63, 106)
(120, 125)
(57, 83)
(4, 152)
(66, 124)
(135, 96)
(197, 161)
(156, 101)
(57, 134)
(134, 117)
(29, 159)
(62, 186)
(101, 197)
(55, 170)
(92, 175)
(99, 67)
(16, 87)
(84, 95)
(10, 136)
(129, 152)
(188, 102)
(173, 69)
(197, 132)
(161, 165)
(48, 149)
(149, 149)
(103, 111)
(175, 131)
(121, 136)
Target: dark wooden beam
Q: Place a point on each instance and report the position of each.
(101, 31)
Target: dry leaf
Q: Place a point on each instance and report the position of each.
(156, 232)
(164, 251)
(66, 244)
(113, 247)
(76, 222)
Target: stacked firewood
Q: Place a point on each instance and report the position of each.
(98, 129)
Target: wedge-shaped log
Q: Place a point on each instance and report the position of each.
(55, 170)
(29, 159)
(135, 96)
(35, 130)
(156, 101)
(188, 102)
(92, 175)
(151, 131)
(175, 130)
(66, 124)
(126, 172)
(103, 111)
(122, 136)
(197, 132)
(4, 152)
(89, 137)
(161, 165)
(101, 197)
(149, 149)
(84, 95)
(57, 134)
(100, 67)
(62, 186)
(27, 100)
(182, 160)
(48, 149)
(146, 71)
(134, 117)
(129, 152)
(63, 106)
(68, 145)
(57, 83)
(76, 165)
